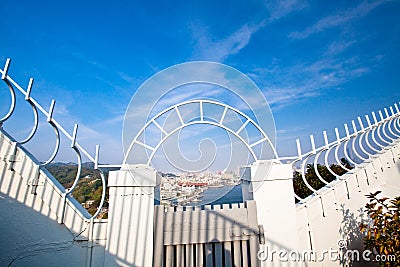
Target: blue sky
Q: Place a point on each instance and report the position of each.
(318, 63)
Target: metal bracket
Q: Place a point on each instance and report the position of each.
(261, 234)
(12, 157)
(35, 181)
(237, 233)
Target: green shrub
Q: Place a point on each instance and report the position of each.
(382, 234)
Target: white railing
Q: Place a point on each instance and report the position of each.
(359, 145)
(226, 235)
(78, 149)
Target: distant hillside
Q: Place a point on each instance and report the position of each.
(89, 188)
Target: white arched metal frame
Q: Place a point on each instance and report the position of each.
(202, 120)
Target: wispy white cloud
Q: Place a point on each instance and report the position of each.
(209, 48)
(279, 9)
(339, 46)
(337, 19)
(218, 50)
(290, 131)
(283, 86)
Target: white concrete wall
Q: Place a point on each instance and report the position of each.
(30, 229)
(322, 220)
(131, 215)
(337, 212)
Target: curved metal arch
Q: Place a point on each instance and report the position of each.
(35, 113)
(35, 124)
(369, 143)
(353, 138)
(397, 124)
(303, 174)
(56, 131)
(360, 145)
(347, 156)
(316, 166)
(339, 141)
(327, 163)
(13, 98)
(78, 173)
(381, 127)
(387, 125)
(393, 122)
(293, 168)
(202, 121)
(374, 138)
(103, 194)
(79, 157)
(337, 158)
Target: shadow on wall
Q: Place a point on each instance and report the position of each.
(30, 234)
(216, 236)
(29, 238)
(351, 234)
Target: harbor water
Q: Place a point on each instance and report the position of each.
(220, 195)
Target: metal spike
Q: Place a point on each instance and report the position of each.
(386, 113)
(380, 115)
(74, 135)
(29, 89)
(374, 117)
(360, 122)
(346, 128)
(298, 148)
(353, 123)
(96, 158)
(337, 134)
(5, 70)
(368, 121)
(396, 107)
(391, 110)
(50, 116)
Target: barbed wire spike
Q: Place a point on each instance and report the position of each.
(96, 157)
(381, 115)
(361, 123)
(368, 121)
(51, 110)
(391, 111)
(353, 123)
(337, 135)
(73, 141)
(5, 70)
(29, 89)
(298, 145)
(386, 113)
(374, 117)
(346, 128)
